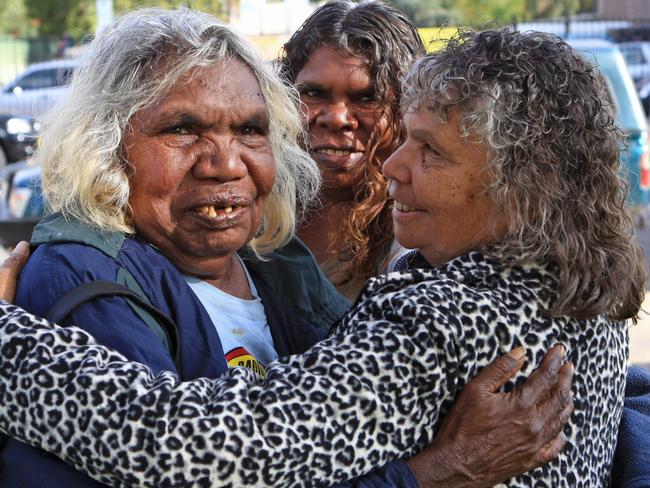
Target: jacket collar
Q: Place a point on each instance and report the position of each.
(56, 228)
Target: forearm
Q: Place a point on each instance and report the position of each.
(301, 424)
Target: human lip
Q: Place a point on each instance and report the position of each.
(332, 151)
(220, 208)
(336, 156)
(402, 207)
(214, 211)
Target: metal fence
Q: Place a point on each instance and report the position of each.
(17, 53)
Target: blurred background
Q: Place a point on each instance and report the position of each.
(40, 41)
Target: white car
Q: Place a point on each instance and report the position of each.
(37, 88)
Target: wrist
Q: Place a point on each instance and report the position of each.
(439, 467)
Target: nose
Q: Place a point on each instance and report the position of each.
(396, 166)
(221, 160)
(338, 116)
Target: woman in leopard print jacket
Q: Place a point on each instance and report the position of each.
(508, 185)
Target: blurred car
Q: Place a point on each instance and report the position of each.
(18, 136)
(26, 196)
(21, 205)
(637, 57)
(37, 88)
(629, 115)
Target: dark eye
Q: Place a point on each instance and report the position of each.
(254, 130)
(368, 98)
(432, 151)
(176, 129)
(312, 93)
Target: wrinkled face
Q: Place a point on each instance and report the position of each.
(439, 182)
(202, 167)
(341, 111)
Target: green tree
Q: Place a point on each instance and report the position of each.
(14, 20)
(82, 20)
(479, 13)
(51, 16)
(215, 7)
(427, 13)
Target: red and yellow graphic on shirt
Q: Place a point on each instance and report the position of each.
(241, 357)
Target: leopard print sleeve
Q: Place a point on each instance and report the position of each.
(367, 395)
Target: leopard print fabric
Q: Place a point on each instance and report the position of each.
(374, 391)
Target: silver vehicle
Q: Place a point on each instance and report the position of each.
(37, 88)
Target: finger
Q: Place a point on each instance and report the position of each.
(499, 371)
(565, 376)
(556, 415)
(551, 450)
(10, 269)
(543, 379)
(16, 259)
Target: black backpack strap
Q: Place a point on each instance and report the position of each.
(161, 324)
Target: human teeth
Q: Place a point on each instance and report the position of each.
(334, 152)
(402, 208)
(212, 211)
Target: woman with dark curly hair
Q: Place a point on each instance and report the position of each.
(508, 187)
(347, 61)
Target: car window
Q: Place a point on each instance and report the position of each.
(44, 78)
(633, 55)
(64, 76)
(629, 112)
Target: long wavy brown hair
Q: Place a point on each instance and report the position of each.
(389, 41)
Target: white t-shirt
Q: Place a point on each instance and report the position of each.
(241, 324)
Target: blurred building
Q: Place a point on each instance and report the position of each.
(269, 17)
(623, 9)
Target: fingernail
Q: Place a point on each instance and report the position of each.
(517, 353)
(21, 248)
(562, 349)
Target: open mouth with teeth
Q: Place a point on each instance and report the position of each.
(334, 152)
(402, 207)
(216, 211)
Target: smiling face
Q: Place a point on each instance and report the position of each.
(202, 167)
(439, 181)
(342, 110)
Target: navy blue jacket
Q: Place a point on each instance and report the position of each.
(69, 254)
(632, 460)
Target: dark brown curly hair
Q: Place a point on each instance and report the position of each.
(390, 42)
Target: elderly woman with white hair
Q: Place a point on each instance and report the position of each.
(176, 148)
(172, 173)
